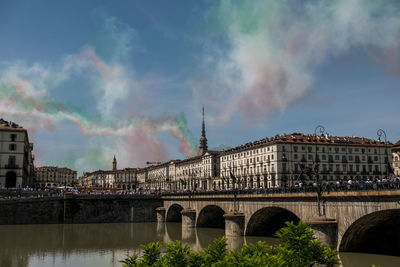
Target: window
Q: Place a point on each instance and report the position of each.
(295, 148)
(310, 157)
(13, 147)
(13, 137)
(323, 157)
(11, 160)
(295, 156)
(336, 157)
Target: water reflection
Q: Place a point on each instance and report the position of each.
(105, 244)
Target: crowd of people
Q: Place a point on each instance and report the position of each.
(302, 186)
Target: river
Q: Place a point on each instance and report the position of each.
(99, 245)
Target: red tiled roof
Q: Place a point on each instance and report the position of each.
(299, 138)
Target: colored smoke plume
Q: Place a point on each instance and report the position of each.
(271, 49)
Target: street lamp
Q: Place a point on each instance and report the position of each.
(381, 133)
(320, 129)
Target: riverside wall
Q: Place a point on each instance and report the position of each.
(80, 209)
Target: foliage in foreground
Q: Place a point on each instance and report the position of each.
(298, 247)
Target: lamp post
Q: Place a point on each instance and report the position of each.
(381, 133)
(321, 130)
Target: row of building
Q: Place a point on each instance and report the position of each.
(270, 162)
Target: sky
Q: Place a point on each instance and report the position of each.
(93, 79)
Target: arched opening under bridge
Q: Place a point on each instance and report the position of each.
(374, 233)
(267, 221)
(174, 213)
(211, 216)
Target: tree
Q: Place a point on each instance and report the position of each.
(298, 247)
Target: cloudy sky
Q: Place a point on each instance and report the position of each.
(91, 79)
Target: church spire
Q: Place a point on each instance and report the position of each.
(203, 140)
(114, 164)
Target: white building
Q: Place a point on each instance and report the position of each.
(54, 176)
(111, 179)
(16, 158)
(277, 161)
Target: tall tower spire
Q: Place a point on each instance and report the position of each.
(114, 164)
(203, 140)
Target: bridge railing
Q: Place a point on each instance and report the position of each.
(303, 189)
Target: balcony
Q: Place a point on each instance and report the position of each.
(377, 173)
(11, 166)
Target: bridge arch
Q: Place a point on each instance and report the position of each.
(267, 221)
(174, 213)
(375, 233)
(211, 216)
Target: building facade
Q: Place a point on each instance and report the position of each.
(396, 158)
(125, 179)
(16, 157)
(54, 176)
(278, 161)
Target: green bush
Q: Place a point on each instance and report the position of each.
(298, 248)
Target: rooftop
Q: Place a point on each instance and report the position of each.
(300, 138)
(9, 125)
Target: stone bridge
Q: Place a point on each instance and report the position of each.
(365, 221)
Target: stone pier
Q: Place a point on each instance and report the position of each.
(188, 218)
(234, 224)
(325, 229)
(160, 211)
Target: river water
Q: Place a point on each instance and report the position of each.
(98, 245)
